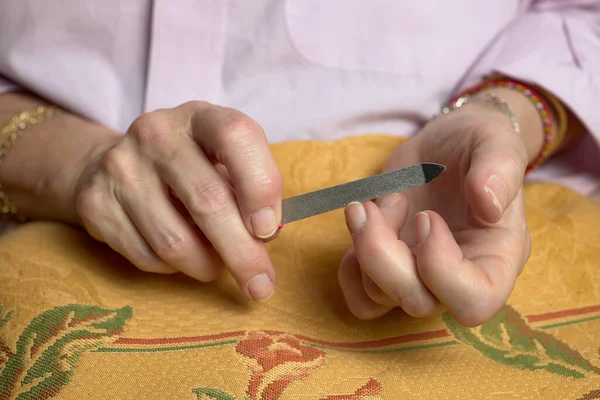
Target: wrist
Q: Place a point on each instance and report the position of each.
(539, 100)
(39, 172)
(98, 141)
(527, 115)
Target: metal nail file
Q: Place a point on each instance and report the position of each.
(329, 199)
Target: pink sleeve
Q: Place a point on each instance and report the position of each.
(6, 85)
(556, 45)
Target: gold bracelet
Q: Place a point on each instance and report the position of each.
(9, 134)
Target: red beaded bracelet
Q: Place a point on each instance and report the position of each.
(538, 102)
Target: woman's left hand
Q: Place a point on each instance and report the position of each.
(466, 240)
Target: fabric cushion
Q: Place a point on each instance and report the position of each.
(77, 321)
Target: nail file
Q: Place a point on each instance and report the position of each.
(329, 199)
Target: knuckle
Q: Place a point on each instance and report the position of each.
(194, 106)
(209, 198)
(89, 202)
(247, 261)
(513, 150)
(239, 130)
(117, 163)
(516, 159)
(518, 144)
(484, 131)
(142, 125)
(149, 129)
(91, 206)
(172, 248)
(268, 186)
(403, 297)
(372, 248)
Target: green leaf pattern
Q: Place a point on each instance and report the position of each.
(506, 338)
(211, 394)
(5, 351)
(48, 349)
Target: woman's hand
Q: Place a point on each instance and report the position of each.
(466, 240)
(177, 170)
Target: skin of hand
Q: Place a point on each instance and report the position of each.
(193, 189)
(467, 239)
(190, 189)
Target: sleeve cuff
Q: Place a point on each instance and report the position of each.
(7, 86)
(556, 52)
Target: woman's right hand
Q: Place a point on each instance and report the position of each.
(192, 189)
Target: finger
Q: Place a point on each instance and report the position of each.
(212, 204)
(227, 178)
(359, 303)
(167, 232)
(394, 208)
(375, 293)
(222, 170)
(472, 290)
(387, 260)
(184, 167)
(496, 172)
(240, 144)
(108, 222)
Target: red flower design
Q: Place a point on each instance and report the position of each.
(276, 360)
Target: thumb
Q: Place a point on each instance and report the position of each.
(496, 172)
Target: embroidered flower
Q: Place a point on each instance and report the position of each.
(276, 360)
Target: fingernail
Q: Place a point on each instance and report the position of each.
(263, 223)
(272, 237)
(497, 192)
(356, 217)
(261, 287)
(389, 200)
(422, 227)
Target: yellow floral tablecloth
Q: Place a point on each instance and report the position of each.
(78, 322)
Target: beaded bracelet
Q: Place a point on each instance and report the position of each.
(563, 136)
(10, 133)
(538, 102)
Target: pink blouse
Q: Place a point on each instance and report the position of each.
(306, 69)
